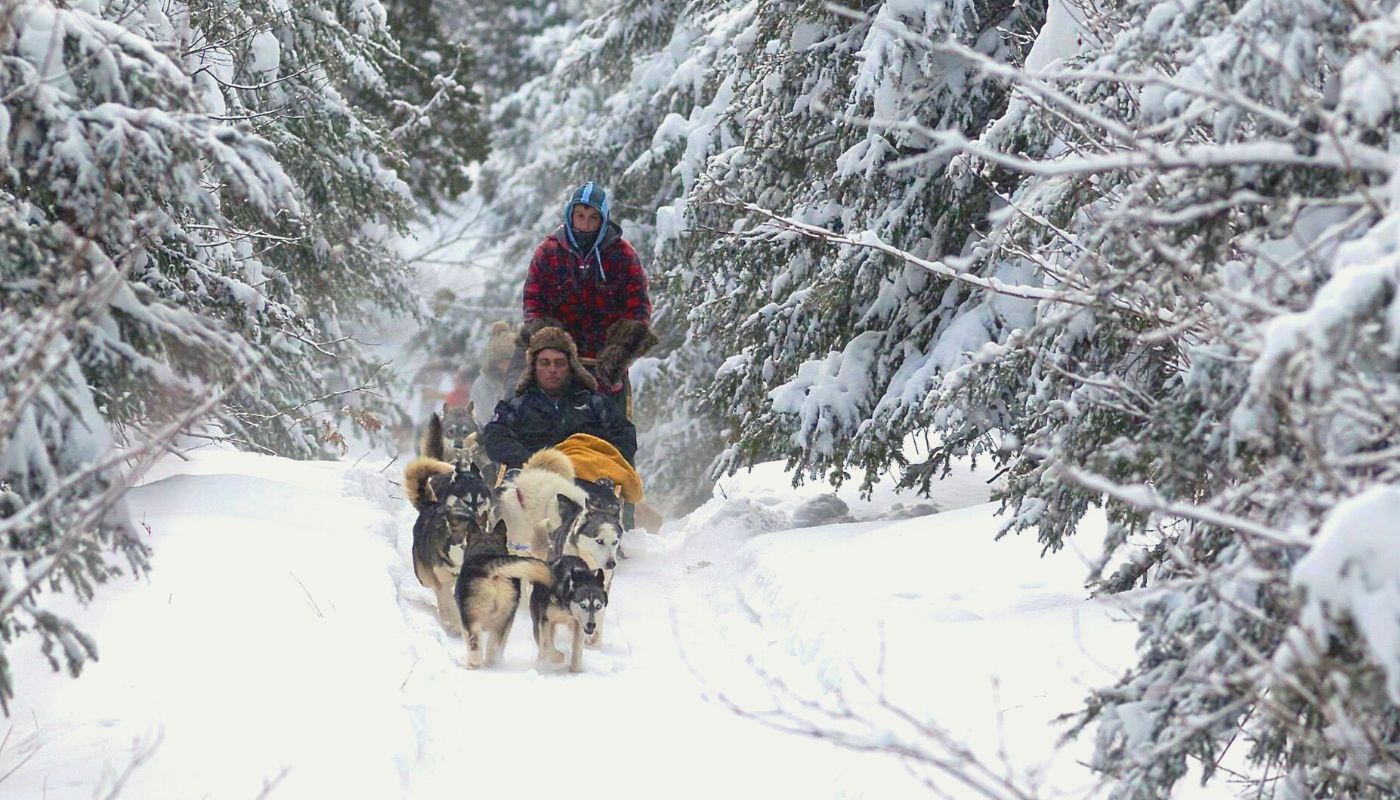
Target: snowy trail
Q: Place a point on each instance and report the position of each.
(344, 682)
(633, 724)
(282, 638)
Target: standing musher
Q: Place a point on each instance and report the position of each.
(587, 280)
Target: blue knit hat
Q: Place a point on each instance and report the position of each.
(589, 194)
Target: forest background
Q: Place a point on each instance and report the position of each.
(1140, 255)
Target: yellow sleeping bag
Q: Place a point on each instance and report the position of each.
(595, 458)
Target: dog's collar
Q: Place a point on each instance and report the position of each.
(521, 547)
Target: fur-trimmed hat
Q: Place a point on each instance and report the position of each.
(500, 344)
(528, 328)
(554, 339)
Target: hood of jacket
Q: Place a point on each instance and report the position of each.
(611, 232)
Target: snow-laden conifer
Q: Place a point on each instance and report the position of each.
(829, 351)
(190, 213)
(1213, 216)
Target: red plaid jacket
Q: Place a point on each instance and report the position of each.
(567, 285)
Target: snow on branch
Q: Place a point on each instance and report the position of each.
(869, 240)
(1146, 498)
(1352, 573)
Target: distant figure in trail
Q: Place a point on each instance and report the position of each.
(463, 382)
(440, 382)
(554, 400)
(498, 372)
(587, 280)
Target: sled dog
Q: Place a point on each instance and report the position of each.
(453, 518)
(593, 532)
(487, 595)
(575, 601)
(530, 505)
(421, 476)
(455, 437)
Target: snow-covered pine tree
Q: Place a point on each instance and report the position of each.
(284, 284)
(830, 351)
(506, 35)
(190, 211)
(427, 97)
(1216, 362)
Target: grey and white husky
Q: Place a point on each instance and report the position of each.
(575, 601)
(593, 532)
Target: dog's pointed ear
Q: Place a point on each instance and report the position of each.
(444, 409)
(499, 529)
(600, 575)
(568, 509)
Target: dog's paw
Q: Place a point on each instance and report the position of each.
(556, 656)
(593, 641)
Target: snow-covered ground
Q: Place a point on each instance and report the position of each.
(282, 641)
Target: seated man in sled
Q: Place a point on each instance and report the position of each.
(555, 398)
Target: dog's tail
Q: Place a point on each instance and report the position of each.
(415, 479)
(523, 568)
(552, 460)
(431, 445)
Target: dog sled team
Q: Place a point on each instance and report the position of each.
(533, 497)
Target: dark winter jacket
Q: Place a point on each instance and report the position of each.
(587, 290)
(532, 421)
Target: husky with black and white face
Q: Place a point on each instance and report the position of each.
(575, 602)
(593, 532)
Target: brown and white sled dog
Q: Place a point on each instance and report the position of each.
(575, 601)
(454, 518)
(529, 503)
(487, 595)
(455, 437)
